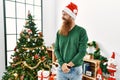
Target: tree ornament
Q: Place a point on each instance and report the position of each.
(42, 48)
(40, 34)
(24, 45)
(29, 31)
(28, 39)
(35, 34)
(28, 50)
(22, 77)
(16, 75)
(17, 50)
(43, 58)
(33, 51)
(33, 58)
(35, 40)
(36, 56)
(33, 44)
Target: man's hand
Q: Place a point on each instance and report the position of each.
(65, 69)
(70, 64)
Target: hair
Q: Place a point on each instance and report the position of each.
(66, 26)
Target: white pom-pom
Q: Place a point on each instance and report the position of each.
(75, 11)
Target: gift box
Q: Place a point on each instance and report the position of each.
(43, 75)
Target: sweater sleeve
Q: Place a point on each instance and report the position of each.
(57, 50)
(82, 47)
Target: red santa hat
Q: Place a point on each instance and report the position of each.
(112, 59)
(113, 55)
(111, 63)
(71, 9)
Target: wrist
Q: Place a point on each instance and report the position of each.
(70, 64)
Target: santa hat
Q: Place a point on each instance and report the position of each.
(112, 59)
(111, 63)
(113, 55)
(71, 9)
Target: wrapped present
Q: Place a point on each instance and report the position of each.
(43, 75)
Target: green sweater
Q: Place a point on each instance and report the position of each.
(71, 47)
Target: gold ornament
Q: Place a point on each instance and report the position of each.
(16, 75)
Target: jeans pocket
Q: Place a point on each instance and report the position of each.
(78, 70)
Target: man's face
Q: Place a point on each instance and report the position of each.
(65, 16)
(67, 23)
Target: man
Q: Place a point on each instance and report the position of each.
(70, 45)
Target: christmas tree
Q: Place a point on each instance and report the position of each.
(30, 54)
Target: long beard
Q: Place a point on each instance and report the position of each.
(65, 28)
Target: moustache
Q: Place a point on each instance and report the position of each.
(63, 18)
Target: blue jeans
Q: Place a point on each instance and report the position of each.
(74, 74)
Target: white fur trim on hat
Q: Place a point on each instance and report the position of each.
(67, 10)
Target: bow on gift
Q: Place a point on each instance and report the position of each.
(42, 76)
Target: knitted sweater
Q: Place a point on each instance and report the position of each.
(71, 47)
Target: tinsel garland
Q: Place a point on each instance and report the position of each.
(34, 67)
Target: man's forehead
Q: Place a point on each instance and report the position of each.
(64, 12)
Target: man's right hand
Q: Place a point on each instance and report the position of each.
(65, 69)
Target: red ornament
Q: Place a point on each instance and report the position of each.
(36, 56)
(40, 34)
(29, 31)
(43, 58)
(22, 77)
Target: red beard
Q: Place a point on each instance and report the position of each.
(66, 26)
